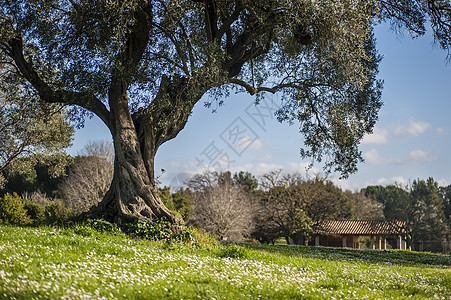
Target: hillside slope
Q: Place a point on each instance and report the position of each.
(52, 263)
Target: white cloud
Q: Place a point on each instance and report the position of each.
(441, 131)
(258, 168)
(442, 182)
(346, 184)
(419, 156)
(301, 168)
(414, 128)
(379, 136)
(374, 158)
(247, 143)
(398, 181)
(265, 158)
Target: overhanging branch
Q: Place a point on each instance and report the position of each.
(254, 90)
(49, 95)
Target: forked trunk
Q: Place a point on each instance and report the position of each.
(133, 194)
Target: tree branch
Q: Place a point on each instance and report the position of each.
(176, 45)
(12, 156)
(253, 90)
(229, 21)
(211, 19)
(46, 93)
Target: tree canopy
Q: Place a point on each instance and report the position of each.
(141, 65)
(28, 128)
(421, 206)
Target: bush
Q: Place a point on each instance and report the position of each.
(94, 227)
(35, 211)
(44, 210)
(103, 226)
(233, 251)
(160, 231)
(12, 210)
(56, 213)
(83, 230)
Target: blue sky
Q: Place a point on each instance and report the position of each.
(411, 139)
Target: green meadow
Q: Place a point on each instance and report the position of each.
(53, 263)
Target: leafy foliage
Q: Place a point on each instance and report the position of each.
(246, 180)
(288, 205)
(12, 210)
(56, 213)
(88, 227)
(44, 210)
(233, 251)
(28, 127)
(319, 55)
(36, 212)
(160, 231)
(178, 202)
(36, 174)
(180, 199)
(427, 211)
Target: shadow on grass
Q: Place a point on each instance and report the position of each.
(394, 257)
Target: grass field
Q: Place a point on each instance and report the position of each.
(43, 263)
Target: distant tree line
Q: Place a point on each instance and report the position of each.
(240, 206)
(423, 205)
(282, 205)
(273, 206)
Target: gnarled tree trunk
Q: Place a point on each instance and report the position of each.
(133, 193)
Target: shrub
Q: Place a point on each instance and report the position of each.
(203, 238)
(233, 251)
(83, 230)
(96, 226)
(39, 198)
(35, 211)
(103, 226)
(12, 210)
(160, 231)
(56, 213)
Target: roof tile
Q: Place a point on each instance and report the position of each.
(359, 227)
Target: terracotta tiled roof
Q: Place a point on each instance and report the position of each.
(359, 227)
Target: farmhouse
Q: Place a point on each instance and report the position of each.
(347, 233)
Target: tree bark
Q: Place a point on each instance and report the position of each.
(133, 194)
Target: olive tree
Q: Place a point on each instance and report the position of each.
(141, 66)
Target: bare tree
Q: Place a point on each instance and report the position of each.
(221, 208)
(363, 207)
(89, 178)
(100, 148)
